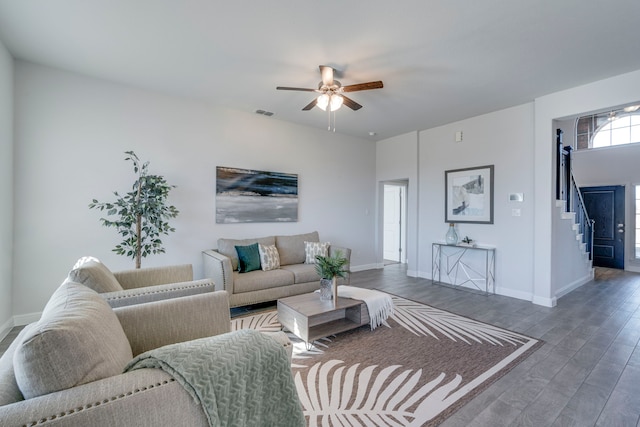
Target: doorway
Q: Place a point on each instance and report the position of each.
(394, 222)
(605, 205)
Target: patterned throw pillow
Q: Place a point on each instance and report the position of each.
(269, 257)
(313, 249)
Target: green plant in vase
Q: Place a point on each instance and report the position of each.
(330, 268)
(141, 214)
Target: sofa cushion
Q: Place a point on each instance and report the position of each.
(248, 258)
(314, 249)
(77, 340)
(259, 280)
(9, 390)
(269, 257)
(303, 273)
(227, 247)
(291, 248)
(94, 274)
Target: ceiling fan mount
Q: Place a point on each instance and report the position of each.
(331, 92)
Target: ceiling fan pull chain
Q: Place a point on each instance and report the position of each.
(328, 119)
(334, 121)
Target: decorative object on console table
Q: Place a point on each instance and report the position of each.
(469, 195)
(452, 236)
(467, 242)
(330, 268)
(142, 213)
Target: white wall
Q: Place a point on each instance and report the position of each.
(503, 139)
(6, 189)
(71, 134)
(602, 94)
(397, 159)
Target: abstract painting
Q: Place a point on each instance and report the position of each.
(245, 195)
(469, 195)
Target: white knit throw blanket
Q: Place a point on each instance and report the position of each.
(379, 304)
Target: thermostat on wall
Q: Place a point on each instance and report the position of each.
(516, 197)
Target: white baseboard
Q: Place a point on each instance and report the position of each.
(25, 319)
(575, 284)
(506, 292)
(6, 328)
(423, 275)
(632, 268)
(364, 267)
(545, 302)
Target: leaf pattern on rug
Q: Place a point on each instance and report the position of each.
(334, 395)
(268, 322)
(424, 320)
(264, 322)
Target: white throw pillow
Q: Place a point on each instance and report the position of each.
(269, 257)
(313, 249)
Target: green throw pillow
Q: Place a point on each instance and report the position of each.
(248, 258)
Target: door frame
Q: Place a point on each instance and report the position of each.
(404, 183)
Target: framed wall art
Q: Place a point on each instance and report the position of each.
(468, 195)
(245, 195)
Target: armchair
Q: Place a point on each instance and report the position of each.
(78, 335)
(138, 286)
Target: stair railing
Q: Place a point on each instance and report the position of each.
(567, 189)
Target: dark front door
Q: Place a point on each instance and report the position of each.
(605, 205)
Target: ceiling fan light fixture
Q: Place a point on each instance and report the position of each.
(331, 101)
(323, 102)
(336, 102)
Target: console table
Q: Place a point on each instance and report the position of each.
(463, 265)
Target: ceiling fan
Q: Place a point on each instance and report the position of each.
(332, 92)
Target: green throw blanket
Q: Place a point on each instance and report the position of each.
(240, 378)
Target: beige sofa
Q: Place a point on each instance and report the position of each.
(66, 369)
(293, 277)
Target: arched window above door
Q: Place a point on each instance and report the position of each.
(614, 127)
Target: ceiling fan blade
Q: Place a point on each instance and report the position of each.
(310, 105)
(363, 86)
(295, 88)
(327, 75)
(351, 103)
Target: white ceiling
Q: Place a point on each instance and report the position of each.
(440, 61)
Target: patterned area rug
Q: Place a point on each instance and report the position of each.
(415, 370)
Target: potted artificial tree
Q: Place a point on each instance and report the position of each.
(141, 214)
(330, 268)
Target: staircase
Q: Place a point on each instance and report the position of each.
(570, 202)
(584, 239)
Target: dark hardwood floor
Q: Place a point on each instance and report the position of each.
(586, 374)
